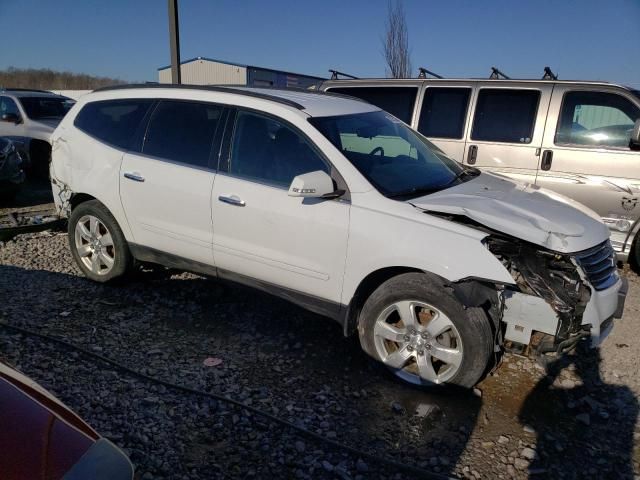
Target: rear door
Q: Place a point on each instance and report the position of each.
(587, 154)
(507, 128)
(443, 115)
(166, 186)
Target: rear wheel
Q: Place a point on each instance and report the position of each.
(418, 329)
(97, 243)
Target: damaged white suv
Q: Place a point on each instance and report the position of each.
(338, 207)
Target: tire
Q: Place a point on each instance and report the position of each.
(438, 326)
(97, 243)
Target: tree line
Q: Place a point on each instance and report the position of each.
(46, 79)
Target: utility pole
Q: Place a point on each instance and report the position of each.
(174, 41)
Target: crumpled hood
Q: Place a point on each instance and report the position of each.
(522, 210)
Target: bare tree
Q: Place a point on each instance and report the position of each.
(396, 42)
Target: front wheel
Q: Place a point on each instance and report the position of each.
(97, 243)
(416, 327)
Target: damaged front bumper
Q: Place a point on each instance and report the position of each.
(558, 299)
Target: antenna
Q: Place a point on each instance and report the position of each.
(335, 75)
(497, 74)
(549, 75)
(424, 72)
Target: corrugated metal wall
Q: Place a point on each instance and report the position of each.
(259, 77)
(206, 72)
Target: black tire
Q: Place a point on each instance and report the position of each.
(122, 259)
(472, 325)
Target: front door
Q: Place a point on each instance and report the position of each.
(259, 231)
(587, 154)
(507, 129)
(166, 188)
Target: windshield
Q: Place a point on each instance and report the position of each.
(396, 160)
(38, 108)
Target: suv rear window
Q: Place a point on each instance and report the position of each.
(182, 132)
(113, 121)
(444, 110)
(398, 101)
(505, 115)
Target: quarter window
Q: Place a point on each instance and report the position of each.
(505, 115)
(398, 101)
(444, 111)
(266, 150)
(182, 132)
(596, 119)
(113, 121)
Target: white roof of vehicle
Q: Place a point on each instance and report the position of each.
(313, 103)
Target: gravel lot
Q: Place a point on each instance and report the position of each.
(579, 421)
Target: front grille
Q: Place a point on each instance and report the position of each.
(599, 265)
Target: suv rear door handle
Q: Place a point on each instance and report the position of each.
(135, 176)
(232, 200)
(547, 157)
(472, 154)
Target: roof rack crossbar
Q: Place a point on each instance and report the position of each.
(497, 74)
(238, 90)
(424, 72)
(335, 75)
(549, 75)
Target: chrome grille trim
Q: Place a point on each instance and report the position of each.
(599, 265)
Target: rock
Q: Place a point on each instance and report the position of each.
(361, 466)
(568, 384)
(327, 466)
(528, 453)
(503, 440)
(584, 418)
(397, 408)
(520, 463)
(487, 444)
(300, 446)
(529, 429)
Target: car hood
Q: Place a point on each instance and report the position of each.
(521, 210)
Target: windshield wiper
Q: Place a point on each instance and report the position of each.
(426, 189)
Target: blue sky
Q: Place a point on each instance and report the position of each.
(584, 39)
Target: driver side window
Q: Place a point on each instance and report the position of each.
(7, 105)
(596, 119)
(269, 151)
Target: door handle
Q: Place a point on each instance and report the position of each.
(472, 154)
(547, 158)
(136, 177)
(232, 200)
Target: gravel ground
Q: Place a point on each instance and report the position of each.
(577, 421)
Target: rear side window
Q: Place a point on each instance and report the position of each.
(505, 115)
(444, 111)
(596, 119)
(113, 121)
(399, 101)
(182, 132)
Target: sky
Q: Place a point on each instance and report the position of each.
(128, 39)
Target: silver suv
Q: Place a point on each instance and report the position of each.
(580, 139)
(30, 117)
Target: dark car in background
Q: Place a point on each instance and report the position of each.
(11, 169)
(42, 439)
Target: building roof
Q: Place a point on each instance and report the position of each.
(207, 59)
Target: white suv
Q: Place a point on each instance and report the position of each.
(338, 207)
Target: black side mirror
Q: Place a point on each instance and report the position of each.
(634, 141)
(11, 117)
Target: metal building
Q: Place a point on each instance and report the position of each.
(207, 71)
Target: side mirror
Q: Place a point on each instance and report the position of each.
(11, 117)
(634, 142)
(314, 185)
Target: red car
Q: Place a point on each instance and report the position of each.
(42, 439)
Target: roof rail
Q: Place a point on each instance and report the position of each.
(25, 90)
(549, 75)
(497, 74)
(424, 72)
(336, 73)
(238, 90)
